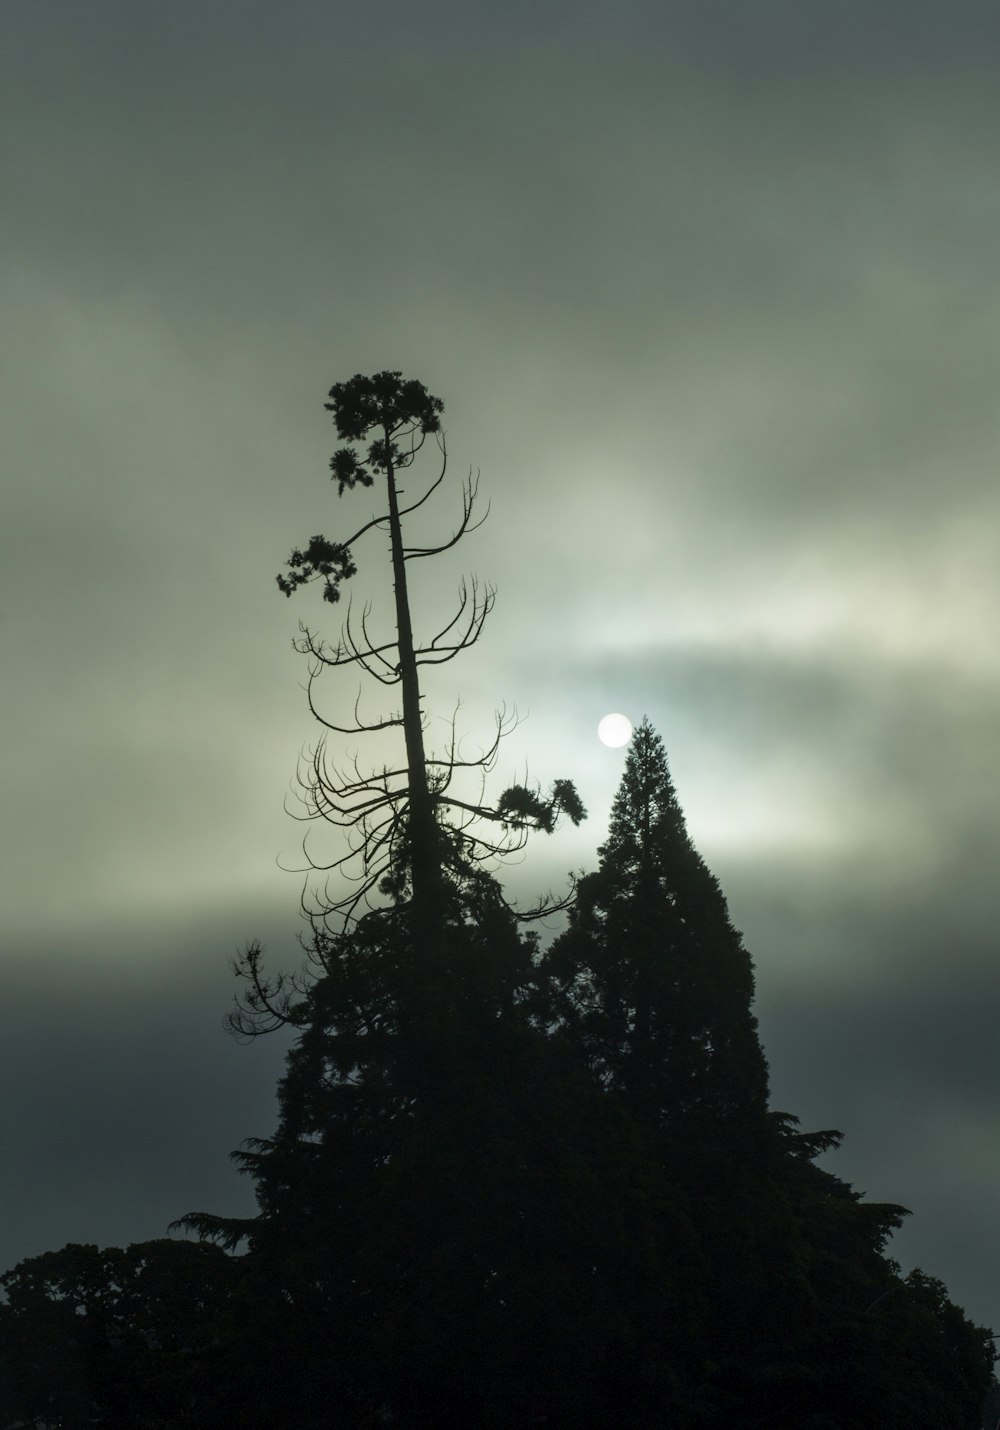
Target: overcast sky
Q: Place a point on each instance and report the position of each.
(709, 290)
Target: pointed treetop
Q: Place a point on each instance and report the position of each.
(646, 815)
(665, 984)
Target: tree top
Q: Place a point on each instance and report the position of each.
(384, 400)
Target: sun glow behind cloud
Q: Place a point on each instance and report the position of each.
(936, 606)
(762, 822)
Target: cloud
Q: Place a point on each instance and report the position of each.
(708, 291)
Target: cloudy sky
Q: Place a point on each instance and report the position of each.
(709, 291)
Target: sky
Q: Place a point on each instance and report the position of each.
(708, 289)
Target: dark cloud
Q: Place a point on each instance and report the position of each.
(708, 291)
(129, 1096)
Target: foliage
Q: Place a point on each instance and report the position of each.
(506, 1188)
(651, 985)
(119, 1339)
(655, 983)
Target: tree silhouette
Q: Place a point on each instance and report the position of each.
(656, 983)
(407, 824)
(653, 988)
(506, 1189)
(417, 1007)
(121, 1339)
(413, 840)
(515, 1190)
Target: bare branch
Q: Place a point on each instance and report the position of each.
(481, 606)
(368, 526)
(470, 490)
(320, 650)
(405, 511)
(407, 835)
(486, 759)
(359, 727)
(373, 649)
(362, 657)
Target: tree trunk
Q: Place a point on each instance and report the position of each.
(425, 869)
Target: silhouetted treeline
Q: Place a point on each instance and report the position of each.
(509, 1190)
(509, 1187)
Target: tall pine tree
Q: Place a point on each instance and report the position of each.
(657, 983)
(434, 1244)
(654, 988)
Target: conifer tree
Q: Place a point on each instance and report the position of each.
(390, 976)
(658, 981)
(413, 1014)
(655, 991)
(405, 824)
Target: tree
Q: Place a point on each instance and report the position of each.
(397, 816)
(120, 1339)
(390, 961)
(504, 1190)
(654, 990)
(656, 983)
(417, 990)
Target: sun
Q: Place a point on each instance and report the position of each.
(615, 730)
